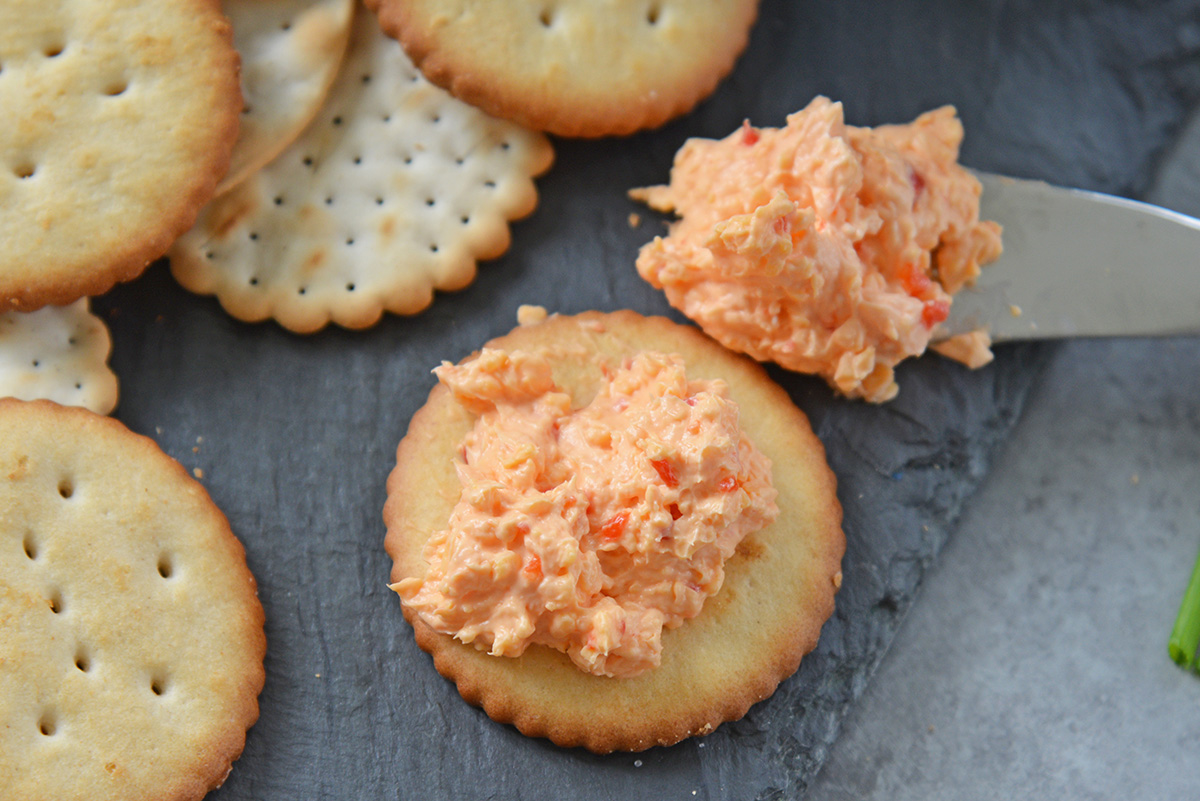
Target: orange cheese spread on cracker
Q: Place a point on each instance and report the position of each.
(591, 529)
(823, 247)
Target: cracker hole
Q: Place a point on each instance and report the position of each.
(56, 602)
(358, 160)
(78, 385)
(329, 200)
(429, 201)
(366, 79)
(287, 26)
(66, 488)
(653, 13)
(378, 201)
(278, 200)
(24, 171)
(253, 282)
(53, 51)
(165, 568)
(349, 287)
(433, 248)
(71, 341)
(408, 159)
(308, 161)
(350, 241)
(253, 236)
(83, 662)
(210, 255)
(387, 117)
(302, 290)
(37, 363)
(505, 146)
(30, 546)
(546, 17)
(337, 120)
(465, 219)
(116, 88)
(435, 119)
(48, 724)
(158, 684)
(490, 184)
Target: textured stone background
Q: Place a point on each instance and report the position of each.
(295, 435)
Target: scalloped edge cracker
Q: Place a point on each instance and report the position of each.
(396, 189)
(59, 353)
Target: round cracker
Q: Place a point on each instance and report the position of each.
(778, 589)
(396, 189)
(574, 67)
(59, 353)
(132, 636)
(119, 118)
(290, 53)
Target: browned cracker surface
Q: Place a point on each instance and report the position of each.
(131, 636)
(574, 67)
(779, 585)
(118, 120)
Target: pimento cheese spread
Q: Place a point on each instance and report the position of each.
(826, 248)
(589, 530)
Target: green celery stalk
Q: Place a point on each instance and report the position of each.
(1185, 637)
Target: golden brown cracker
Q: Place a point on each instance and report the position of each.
(131, 635)
(574, 67)
(778, 589)
(119, 119)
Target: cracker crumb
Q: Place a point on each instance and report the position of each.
(1014, 310)
(196, 449)
(530, 315)
(199, 440)
(317, 675)
(197, 472)
(635, 220)
(1134, 479)
(158, 430)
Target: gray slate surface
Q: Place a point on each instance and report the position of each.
(295, 435)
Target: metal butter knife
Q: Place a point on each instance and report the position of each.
(1079, 264)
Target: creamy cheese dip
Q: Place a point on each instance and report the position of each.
(590, 529)
(826, 248)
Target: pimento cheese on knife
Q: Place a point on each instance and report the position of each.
(589, 530)
(823, 247)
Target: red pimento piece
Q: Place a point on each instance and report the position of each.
(934, 312)
(533, 567)
(691, 401)
(665, 472)
(728, 484)
(913, 279)
(674, 510)
(614, 527)
(749, 133)
(917, 181)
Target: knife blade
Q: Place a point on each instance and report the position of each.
(1080, 264)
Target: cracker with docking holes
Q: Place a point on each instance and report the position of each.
(574, 67)
(290, 50)
(119, 119)
(132, 632)
(394, 190)
(778, 587)
(59, 353)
